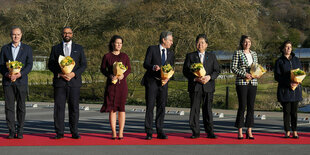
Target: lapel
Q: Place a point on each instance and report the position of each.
(205, 59)
(244, 59)
(72, 49)
(20, 52)
(157, 53)
(9, 49)
(196, 57)
(168, 56)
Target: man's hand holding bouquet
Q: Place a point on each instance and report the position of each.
(66, 64)
(14, 68)
(166, 73)
(200, 73)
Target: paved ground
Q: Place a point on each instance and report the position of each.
(40, 120)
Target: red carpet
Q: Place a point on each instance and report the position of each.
(138, 139)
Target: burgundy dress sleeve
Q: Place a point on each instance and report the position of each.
(104, 66)
(127, 63)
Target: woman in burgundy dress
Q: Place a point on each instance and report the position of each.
(115, 94)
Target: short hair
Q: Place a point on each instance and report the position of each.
(112, 40)
(204, 36)
(15, 27)
(284, 44)
(242, 39)
(163, 35)
(66, 27)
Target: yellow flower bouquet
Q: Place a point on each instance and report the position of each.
(257, 70)
(297, 75)
(166, 73)
(14, 67)
(118, 70)
(66, 64)
(198, 69)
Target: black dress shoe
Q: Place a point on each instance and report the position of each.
(162, 136)
(195, 136)
(59, 136)
(295, 137)
(240, 137)
(248, 137)
(148, 136)
(11, 136)
(212, 136)
(20, 136)
(76, 136)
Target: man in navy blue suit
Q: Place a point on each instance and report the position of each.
(155, 92)
(67, 86)
(15, 85)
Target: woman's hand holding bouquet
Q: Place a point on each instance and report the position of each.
(118, 71)
(297, 75)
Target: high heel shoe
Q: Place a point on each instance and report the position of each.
(240, 137)
(113, 138)
(248, 137)
(120, 138)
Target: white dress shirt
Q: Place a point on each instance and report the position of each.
(15, 50)
(249, 58)
(67, 46)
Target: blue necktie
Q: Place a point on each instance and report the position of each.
(163, 57)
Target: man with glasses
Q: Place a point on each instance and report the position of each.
(67, 86)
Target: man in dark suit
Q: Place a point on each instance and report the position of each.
(15, 85)
(67, 86)
(201, 89)
(157, 56)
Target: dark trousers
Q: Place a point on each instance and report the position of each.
(154, 92)
(196, 99)
(290, 115)
(12, 93)
(246, 97)
(61, 95)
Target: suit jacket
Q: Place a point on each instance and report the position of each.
(239, 65)
(77, 53)
(211, 66)
(152, 58)
(24, 56)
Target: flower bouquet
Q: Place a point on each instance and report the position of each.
(118, 70)
(14, 67)
(198, 69)
(297, 75)
(257, 70)
(166, 73)
(66, 64)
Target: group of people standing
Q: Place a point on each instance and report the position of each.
(201, 89)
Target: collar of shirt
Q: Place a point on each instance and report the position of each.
(69, 43)
(17, 45)
(201, 54)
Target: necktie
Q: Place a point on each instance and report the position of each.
(163, 57)
(67, 50)
(201, 58)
